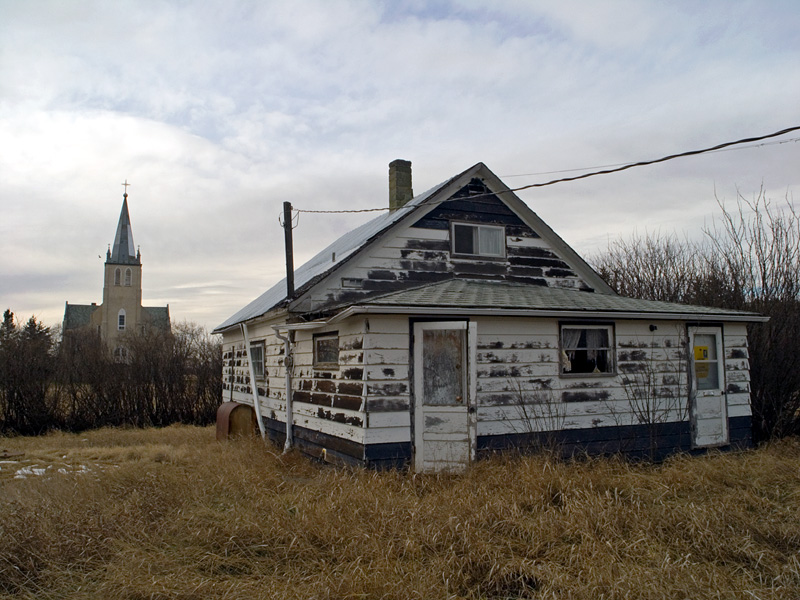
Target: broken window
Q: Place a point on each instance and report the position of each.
(587, 349)
(326, 350)
(479, 240)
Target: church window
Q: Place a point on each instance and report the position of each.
(128, 277)
(121, 354)
(121, 320)
(116, 276)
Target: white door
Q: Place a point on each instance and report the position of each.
(444, 413)
(709, 409)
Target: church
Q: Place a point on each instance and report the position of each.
(121, 312)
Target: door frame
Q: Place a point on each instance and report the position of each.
(695, 394)
(417, 326)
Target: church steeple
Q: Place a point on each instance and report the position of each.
(123, 251)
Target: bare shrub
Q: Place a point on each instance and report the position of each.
(167, 377)
(656, 387)
(749, 260)
(538, 415)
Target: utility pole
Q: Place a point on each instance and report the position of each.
(287, 235)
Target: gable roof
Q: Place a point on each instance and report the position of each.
(350, 244)
(158, 316)
(78, 315)
(475, 295)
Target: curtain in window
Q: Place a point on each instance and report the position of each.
(570, 338)
(491, 242)
(595, 339)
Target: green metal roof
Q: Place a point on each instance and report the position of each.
(462, 294)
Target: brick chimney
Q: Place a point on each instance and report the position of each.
(400, 191)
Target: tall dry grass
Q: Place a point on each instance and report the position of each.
(172, 514)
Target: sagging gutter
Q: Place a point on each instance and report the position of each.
(253, 386)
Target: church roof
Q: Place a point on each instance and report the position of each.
(78, 315)
(158, 315)
(124, 251)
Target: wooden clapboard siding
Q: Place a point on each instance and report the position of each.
(520, 390)
(737, 369)
(330, 400)
(365, 401)
(386, 364)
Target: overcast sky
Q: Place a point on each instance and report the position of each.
(217, 112)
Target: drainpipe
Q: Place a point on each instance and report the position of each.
(288, 361)
(253, 386)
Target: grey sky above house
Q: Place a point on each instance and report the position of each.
(217, 112)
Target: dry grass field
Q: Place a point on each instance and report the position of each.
(170, 513)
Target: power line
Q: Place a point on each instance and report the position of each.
(625, 163)
(617, 169)
(362, 210)
(658, 160)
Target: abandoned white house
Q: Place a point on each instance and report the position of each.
(121, 311)
(458, 324)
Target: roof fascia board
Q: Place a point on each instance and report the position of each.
(511, 312)
(268, 319)
(561, 247)
(430, 203)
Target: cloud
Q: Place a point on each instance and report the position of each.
(219, 112)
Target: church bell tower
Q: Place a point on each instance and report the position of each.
(122, 288)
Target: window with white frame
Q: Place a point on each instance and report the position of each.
(257, 359)
(478, 240)
(326, 350)
(121, 319)
(128, 275)
(587, 349)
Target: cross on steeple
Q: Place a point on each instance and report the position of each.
(126, 184)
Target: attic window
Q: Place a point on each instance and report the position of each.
(478, 240)
(326, 350)
(352, 282)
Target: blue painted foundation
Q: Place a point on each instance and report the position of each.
(649, 442)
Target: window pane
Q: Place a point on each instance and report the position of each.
(706, 365)
(257, 356)
(586, 350)
(443, 376)
(327, 350)
(491, 241)
(464, 239)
